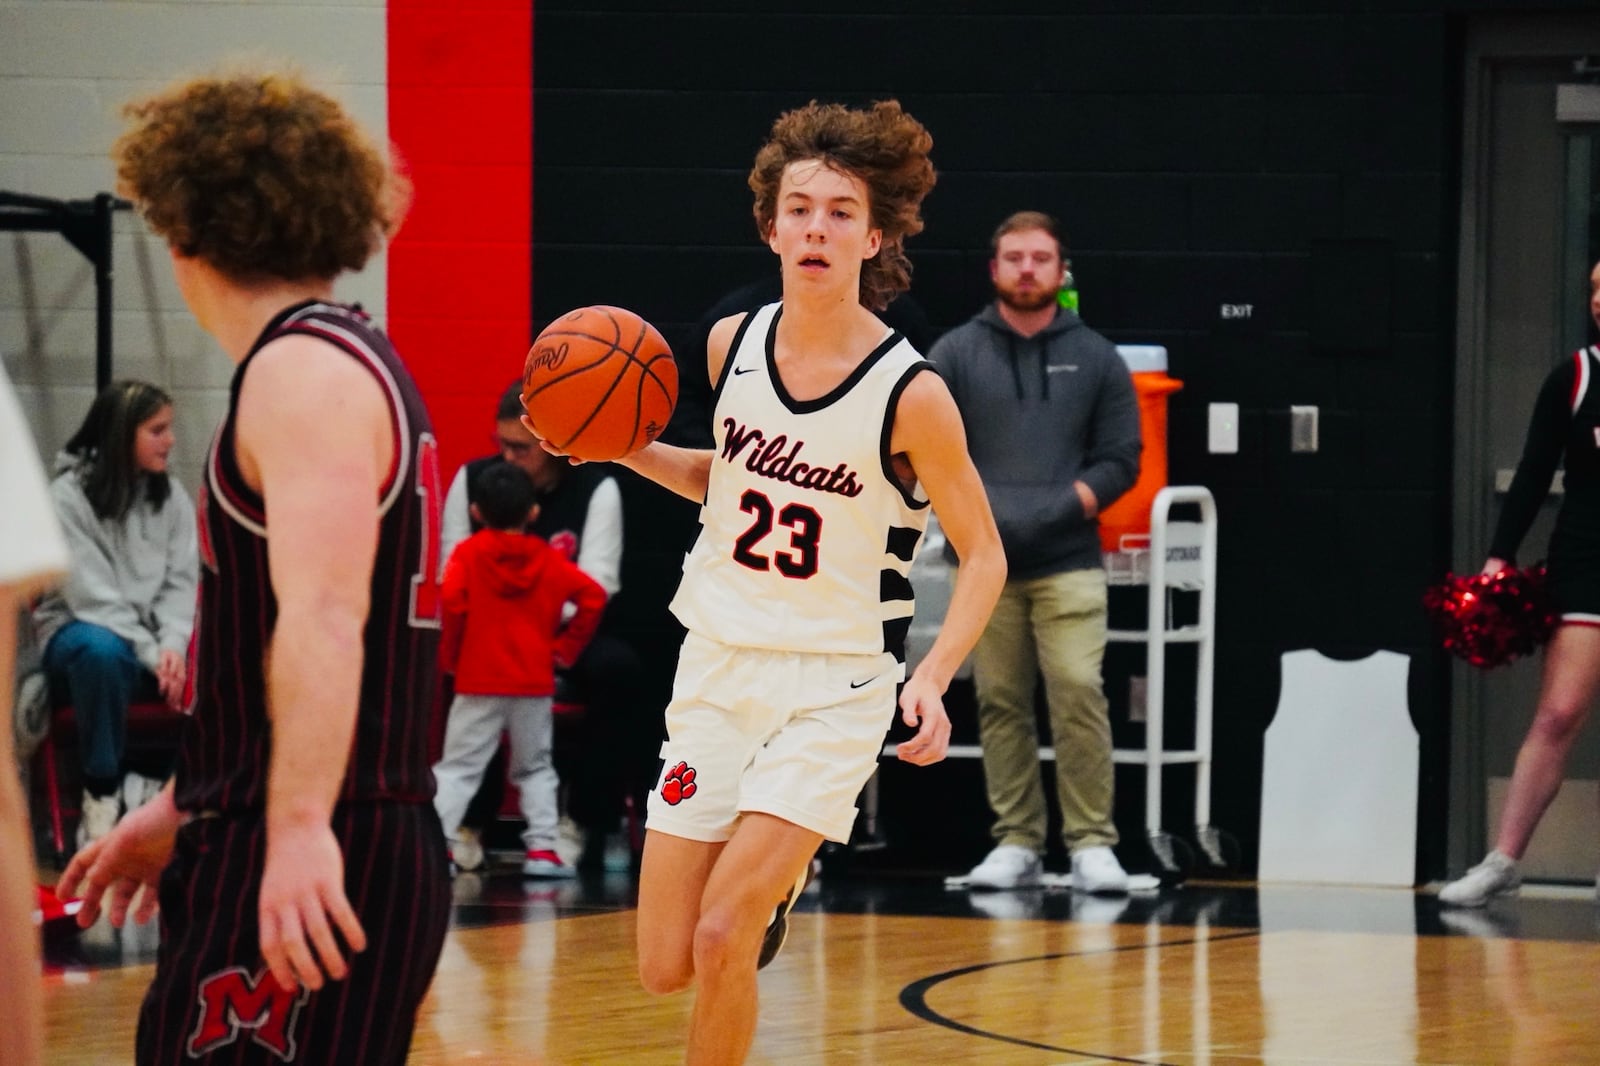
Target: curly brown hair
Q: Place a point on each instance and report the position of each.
(259, 175)
(882, 146)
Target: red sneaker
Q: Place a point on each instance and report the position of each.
(49, 910)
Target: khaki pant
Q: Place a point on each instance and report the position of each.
(1055, 625)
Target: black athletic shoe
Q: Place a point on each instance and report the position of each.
(778, 928)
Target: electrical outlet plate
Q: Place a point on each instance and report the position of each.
(1222, 428)
(1303, 428)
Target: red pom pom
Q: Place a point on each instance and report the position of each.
(1491, 619)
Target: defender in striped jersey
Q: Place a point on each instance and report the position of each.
(832, 438)
(299, 844)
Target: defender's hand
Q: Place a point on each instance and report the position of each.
(301, 889)
(124, 865)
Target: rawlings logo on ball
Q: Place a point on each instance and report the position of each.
(545, 357)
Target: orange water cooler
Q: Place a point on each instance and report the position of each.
(1130, 515)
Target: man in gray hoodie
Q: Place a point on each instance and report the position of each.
(1052, 423)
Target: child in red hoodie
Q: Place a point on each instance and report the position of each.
(504, 595)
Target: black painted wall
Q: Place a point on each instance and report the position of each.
(1300, 158)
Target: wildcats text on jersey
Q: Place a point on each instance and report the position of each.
(767, 459)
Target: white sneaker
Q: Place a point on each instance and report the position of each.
(466, 850)
(137, 790)
(570, 840)
(99, 817)
(1007, 866)
(545, 864)
(1096, 869)
(1496, 875)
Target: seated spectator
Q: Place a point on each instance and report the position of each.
(118, 629)
(580, 514)
(505, 593)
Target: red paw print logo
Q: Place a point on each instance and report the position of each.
(679, 784)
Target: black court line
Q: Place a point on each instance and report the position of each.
(913, 996)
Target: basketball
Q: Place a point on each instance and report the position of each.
(599, 383)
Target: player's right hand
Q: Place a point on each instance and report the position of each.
(124, 865)
(302, 887)
(572, 460)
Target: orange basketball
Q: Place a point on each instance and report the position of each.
(599, 383)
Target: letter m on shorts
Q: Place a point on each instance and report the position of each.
(231, 1000)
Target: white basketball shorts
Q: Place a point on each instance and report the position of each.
(791, 734)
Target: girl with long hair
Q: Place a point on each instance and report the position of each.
(118, 630)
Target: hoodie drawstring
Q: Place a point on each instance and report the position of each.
(1044, 365)
(1016, 375)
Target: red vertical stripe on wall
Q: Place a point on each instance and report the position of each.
(460, 269)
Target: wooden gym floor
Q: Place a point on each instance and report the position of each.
(894, 968)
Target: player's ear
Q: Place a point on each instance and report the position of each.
(874, 242)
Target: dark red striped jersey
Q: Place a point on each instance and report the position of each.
(226, 752)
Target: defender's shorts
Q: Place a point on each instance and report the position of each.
(791, 734)
(213, 1000)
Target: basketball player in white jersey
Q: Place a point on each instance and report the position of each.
(832, 437)
(33, 556)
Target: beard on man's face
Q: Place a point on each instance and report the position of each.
(1034, 298)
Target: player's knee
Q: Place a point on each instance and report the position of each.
(1558, 721)
(717, 940)
(662, 974)
(664, 980)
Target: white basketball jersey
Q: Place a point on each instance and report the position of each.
(806, 536)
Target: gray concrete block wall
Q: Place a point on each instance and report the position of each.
(66, 67)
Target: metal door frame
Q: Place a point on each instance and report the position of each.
(1489, 39)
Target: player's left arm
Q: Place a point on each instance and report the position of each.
(928, 431)
(315, 436)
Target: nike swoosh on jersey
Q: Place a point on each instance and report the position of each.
(752, 369)
(1063, 366)
(862, 684)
